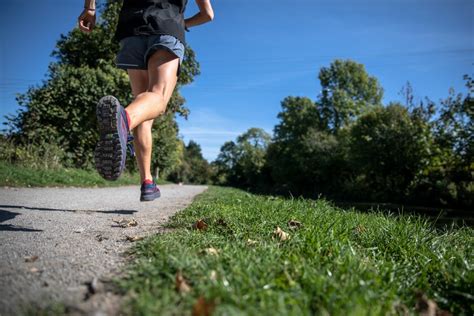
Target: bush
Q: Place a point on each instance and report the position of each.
(388, 149)
(41, 155)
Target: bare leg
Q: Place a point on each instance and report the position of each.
(152, 90)
(162, 69)
(142, 133)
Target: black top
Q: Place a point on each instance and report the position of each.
(151, 17)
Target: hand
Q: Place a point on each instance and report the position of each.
(87, 20)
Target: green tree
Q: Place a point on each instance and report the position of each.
(193, 167)
(347, 92)
(304, 157)
(62, 109)
(389, 148)
(448, 178)
(298, 115)
(242, 163)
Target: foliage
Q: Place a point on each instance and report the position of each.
(242, 163)
(193, 167)
(338, 262)
(304, 156)
(448, 178)
(39, 156)
(347, 92)
(36, 175)
(346, 146)
(389, 148)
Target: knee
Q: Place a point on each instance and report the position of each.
(144, 127)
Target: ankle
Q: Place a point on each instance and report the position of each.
(129, 122)
(147, 181)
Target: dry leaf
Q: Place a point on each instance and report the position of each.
(212, 251)
(200, 225)
(425, 306)
(203, 307)
(251, 242)
(133, 238)
(31, 258)
(280, 234)
(181, 284)
(132, 222)
(359, 229)
(126, 223)
(292, 224)
(100, 237)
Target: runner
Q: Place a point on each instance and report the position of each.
(152, 38)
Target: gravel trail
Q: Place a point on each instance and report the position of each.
(71, 237)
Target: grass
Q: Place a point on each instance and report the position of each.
(339, 262)
(21, 176)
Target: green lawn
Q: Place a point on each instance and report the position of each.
(338, 262)
(20, 176)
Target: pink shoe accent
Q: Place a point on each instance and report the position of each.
(128, 119)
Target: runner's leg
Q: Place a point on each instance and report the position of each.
(142, 133)
(162, 78)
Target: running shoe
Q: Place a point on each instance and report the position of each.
(114, 137)
(149, 191)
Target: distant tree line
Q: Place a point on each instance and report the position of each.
(347, 146)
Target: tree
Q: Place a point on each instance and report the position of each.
(62, 109)
(193, 167)
(303, 154)
(448, 178)
(389, 148)
(242, 163)
(347, 92)
(298, 115)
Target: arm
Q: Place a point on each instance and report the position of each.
(87, 17)
(204, 15)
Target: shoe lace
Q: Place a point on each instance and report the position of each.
(130, 145)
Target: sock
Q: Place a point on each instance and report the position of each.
(147, 181)
(128, 119)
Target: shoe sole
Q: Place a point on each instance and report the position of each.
(149, 198)
(109, 156)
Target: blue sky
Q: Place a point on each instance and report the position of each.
(257, 52)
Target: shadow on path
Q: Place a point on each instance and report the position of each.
(119, 212)
(13, 228)
(6, 216)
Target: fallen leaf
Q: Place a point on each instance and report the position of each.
(126, 223)
(31, 258)
(292, 224)
(100, 237)
(251, 242)
(425, 306)
(279, 233)
(181, 284)
(203, 307)
(133, 238)
(200, 225)
(212, 251)
(359, 229)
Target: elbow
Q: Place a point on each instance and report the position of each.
(209, 16)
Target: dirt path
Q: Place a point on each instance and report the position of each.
(74, 234)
